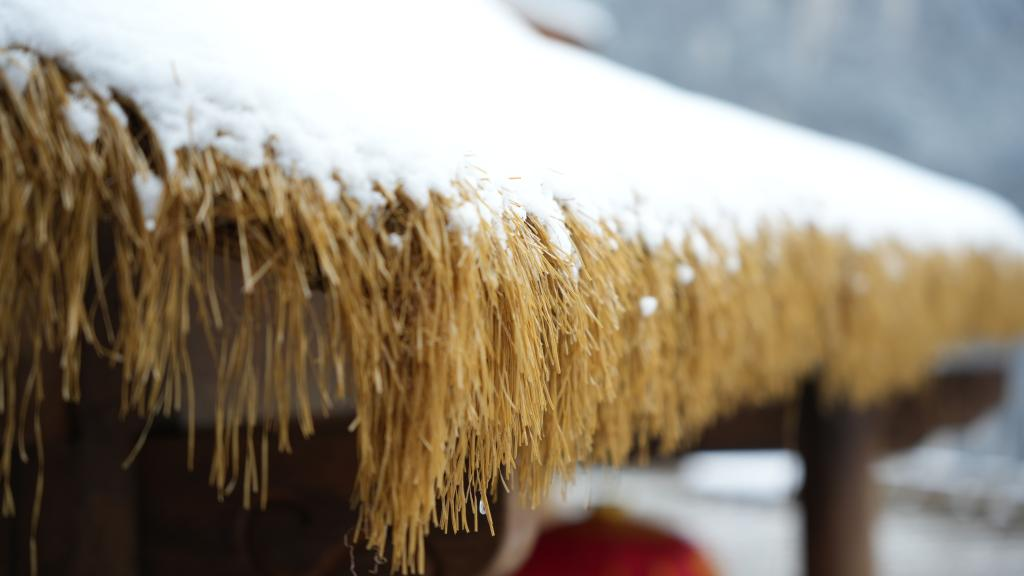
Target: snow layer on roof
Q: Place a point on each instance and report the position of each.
(83, 115)
(16, 67)
(583, 21)
(425, 94)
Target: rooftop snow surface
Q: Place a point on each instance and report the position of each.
(425, 95)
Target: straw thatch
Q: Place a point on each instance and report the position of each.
(471, 365)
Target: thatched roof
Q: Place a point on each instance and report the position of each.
(528, 257)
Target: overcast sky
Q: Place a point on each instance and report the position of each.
(940, 82)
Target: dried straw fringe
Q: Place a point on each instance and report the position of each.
(466, 362)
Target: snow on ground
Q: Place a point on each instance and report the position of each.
(754, 476)
(421, 95)
(742, 512)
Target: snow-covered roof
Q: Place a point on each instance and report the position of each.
(424, 95)
(506, 253)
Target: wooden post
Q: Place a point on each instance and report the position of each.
(107, 519)
(306, 529)
(89, 518)
(837, 445)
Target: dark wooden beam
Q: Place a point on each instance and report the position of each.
(307, 528)
(837, 445)
(949, 399)
(106, 528)
(89, 520)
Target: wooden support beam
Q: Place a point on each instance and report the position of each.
(89, 520)
(107, 521)
(306, 529)
(837, 445)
